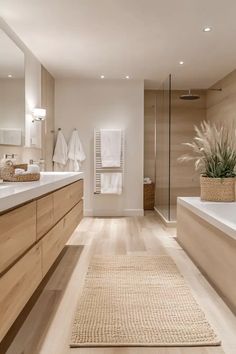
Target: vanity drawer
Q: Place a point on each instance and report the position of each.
(17, 285)
(52, 245)
(44, 215)
(17, 233)
(72, 219)
(54, 241)
(64, 199)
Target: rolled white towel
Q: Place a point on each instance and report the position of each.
(147, 180)
(19, 171)
(33, 169)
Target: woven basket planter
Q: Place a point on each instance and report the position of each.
(7, 173)
(217, 189)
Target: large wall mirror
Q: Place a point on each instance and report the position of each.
(12, 92)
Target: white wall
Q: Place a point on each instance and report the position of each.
(32, 90)
(90, 104)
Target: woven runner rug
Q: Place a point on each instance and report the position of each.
(138, 301)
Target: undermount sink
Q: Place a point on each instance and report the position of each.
(3, 186)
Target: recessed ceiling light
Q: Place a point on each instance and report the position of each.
(207, 29)
(181, 62)
(102, 77)
(9, 75)
(127, 77)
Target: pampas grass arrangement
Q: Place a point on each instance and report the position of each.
(214, 151)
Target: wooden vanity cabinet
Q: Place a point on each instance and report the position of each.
(31, 238)
(17, 286)
(14, 240)
(55, 240)
(45, 215)
(65, 198)
(52, 245)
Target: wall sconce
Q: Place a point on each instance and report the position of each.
(39, 114)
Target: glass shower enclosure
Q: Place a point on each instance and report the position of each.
(163, 151)
(175, 121)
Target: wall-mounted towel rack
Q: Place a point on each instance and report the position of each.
(98, 169)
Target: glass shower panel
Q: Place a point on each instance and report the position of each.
(175, 121)
(163, 109)
(185, 114)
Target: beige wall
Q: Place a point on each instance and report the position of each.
(149, 133)
(95, 104)
(221, 105)
(47, 101)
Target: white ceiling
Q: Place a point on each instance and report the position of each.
(11, 58)
(141, 38)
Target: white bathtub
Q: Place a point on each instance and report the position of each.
(220, 215)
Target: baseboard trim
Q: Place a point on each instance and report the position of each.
(166, 222)
(115, 213)
(134, 212)
(88, 212)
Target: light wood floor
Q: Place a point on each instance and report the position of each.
(45, 325)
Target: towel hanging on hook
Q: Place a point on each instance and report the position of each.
(61, 151)
(76, 153)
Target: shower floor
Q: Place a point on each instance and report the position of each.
(164, 211)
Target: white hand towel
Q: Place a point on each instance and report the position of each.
(110, 147)
(75, 152)
(111, 183)
(60, 151)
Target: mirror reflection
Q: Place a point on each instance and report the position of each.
(12, 92)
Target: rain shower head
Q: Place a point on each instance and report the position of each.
(189, 96)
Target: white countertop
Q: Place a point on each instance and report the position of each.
(221, 215)
(16, 193)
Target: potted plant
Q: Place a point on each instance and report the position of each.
(214, 152)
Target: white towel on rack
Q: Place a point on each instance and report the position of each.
(75, 152)
(111, 183)
(60, 151)
(110, 147)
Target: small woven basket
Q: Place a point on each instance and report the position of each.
(148, 196)
(7, 173)
(217, 189)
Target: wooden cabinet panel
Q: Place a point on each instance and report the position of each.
(64, 199)
(17, 233)
(52, 245)
(54, 241)
(72, 219)
(17, 286)
(76, 192)
(44, 215)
